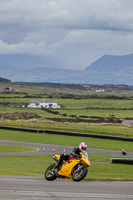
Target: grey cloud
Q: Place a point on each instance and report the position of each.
(68, 14)
(54, 26)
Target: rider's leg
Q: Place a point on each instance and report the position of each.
(62, 157)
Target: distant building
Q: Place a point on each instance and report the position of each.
(43, 104)
(127, 122)
(9, 90)
(99, 90)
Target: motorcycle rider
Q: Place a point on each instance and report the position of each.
(75, 152)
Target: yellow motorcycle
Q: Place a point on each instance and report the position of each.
(74, 168)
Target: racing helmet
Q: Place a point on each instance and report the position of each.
(82, 146)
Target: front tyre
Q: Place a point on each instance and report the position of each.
(79, 173)
(50, 173)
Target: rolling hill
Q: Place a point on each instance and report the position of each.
(109, 69)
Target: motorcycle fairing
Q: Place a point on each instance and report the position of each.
(68, 167)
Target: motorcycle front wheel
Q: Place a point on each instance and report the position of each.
(50, 173)
(79, 173)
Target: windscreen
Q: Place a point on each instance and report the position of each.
(85, 154)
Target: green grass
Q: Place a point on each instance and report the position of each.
(40, 89)
(38, 111)
(65, 140)
(122, 114)
(80, 103)
(118, 108)
(103, 129)
(36, 166)
(97, 113)
(64, 89)
(13, 148)
(96, 103)
(108, 171)
(23, 166)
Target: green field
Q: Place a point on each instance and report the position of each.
(13, 148)
(90, 108)
(70, 103)
(109, 111)
(122, 114)
(86, 104)
(23, 166)
(32, 88)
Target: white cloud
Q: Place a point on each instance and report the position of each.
(97, 14)
(35, 37)
(101, 39)
(38, 48)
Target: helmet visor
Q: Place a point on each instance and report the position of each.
(84, 148)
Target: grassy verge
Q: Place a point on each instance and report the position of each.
(13, 148)
(107, 171)
(103, 129)
(65, 140)
(36, 166)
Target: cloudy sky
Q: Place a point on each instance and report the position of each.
(73, 31)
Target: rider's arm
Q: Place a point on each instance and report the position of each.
(75, 152)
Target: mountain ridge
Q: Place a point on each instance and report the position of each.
(111, 61)
(108, 69)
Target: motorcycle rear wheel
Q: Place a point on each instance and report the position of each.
(50, 173)
(79, 174)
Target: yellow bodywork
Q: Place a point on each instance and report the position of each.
(68, 166)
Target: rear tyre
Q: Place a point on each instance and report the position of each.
(50, 173)
(79, 173)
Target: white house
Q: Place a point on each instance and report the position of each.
(43, 103)
(99, 90)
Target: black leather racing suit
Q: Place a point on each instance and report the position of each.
(75, 152)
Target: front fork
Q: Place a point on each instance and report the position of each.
(80, 166)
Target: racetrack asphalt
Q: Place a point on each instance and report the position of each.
(59, 149)
(37, 188)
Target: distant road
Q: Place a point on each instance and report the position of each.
(49, 149)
